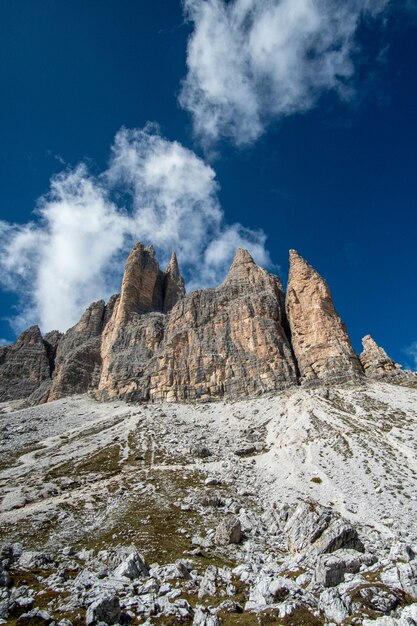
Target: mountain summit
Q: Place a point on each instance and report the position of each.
(154, 342)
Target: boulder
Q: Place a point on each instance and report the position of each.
(315, 529)
(33, 617)
(5, 580)
(203, 617)
(333, 606)
(331, 568)
(31, 559)
(133, 566)
(228, 531)
(105, 609)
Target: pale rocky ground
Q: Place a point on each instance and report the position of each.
(83, 485)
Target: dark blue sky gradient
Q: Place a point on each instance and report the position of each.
(338, 183)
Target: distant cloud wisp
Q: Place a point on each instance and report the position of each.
(411, 352)
(252, 61)
(153, 190)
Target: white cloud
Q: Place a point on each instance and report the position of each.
(411, 352)
(153, 190)
(250, 61)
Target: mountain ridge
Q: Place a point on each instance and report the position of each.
(155, 342)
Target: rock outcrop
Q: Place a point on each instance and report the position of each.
(154, 342)
(78, 359)
(229, 341)
(376, 362)
(24, 365)
(319, 338)
(174, 286)
(136, 327)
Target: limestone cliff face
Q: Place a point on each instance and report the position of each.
(376, 362)
(24, 365)
(228, 341)
(142, 286)
(153, 342)
(78, 359)
(136, 327)
(319, 339)
(174, 287)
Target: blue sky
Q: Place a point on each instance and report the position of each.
(290, 129)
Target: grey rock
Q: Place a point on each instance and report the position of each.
(202, 542)
(375, 598)
(407, 617)
(331, 568)
(6, 606)
(333, 606)
(228, 531)
(203, 617)
(35, 616)
(229, 606)
(208, 583)
(105, 609)
(246, 451)
(32, 559)
(267, 591)
(408, 577)
(133, 566)
(316, 529)
(200, 451)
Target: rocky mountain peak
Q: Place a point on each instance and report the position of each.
(242, 257)
(174, 286)
(319, 337)
(172, 267)
(154, 342)
(244, 271)
(375, 361)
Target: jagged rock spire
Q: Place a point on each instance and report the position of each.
(244, 271)
(319, 339)
(375, 361)
(174, 288)
(145, 287)
(141, 285)
(24, 365)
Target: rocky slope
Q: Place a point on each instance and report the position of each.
(154, 342)
(296, 508)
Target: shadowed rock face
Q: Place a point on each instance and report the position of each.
(319, 339)
(375, 361)
(24, 365)
(174, 287)
(78, 360)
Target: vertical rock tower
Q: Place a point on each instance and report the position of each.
(136, 328)
(319, 338)
(375, 361)
(154, 343)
